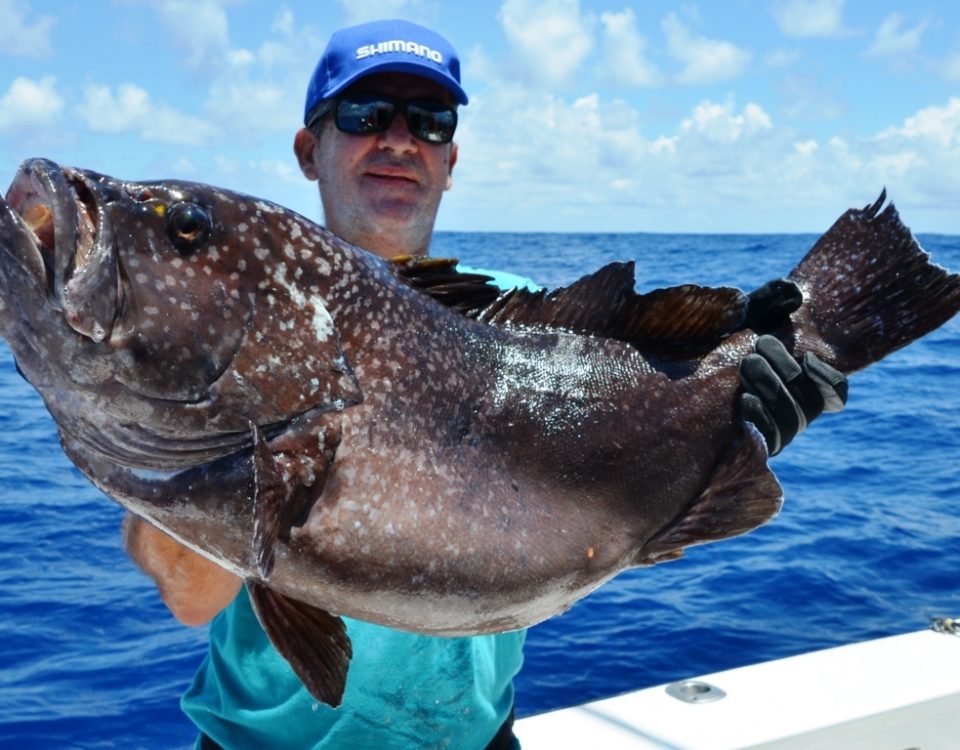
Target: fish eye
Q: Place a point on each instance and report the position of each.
(188, 226)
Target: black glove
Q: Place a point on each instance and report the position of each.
(770, 305)
(783, 396)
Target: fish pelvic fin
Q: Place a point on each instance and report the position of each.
(286, 478)
(742, 494)
(312, 641)
(869, 290)
(675, 323)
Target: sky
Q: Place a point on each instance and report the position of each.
(584, 115)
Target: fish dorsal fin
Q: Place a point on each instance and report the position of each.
(678, 320)
(313, 641)
(467, 293)
(742, 494)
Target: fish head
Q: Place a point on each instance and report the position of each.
(175, 312)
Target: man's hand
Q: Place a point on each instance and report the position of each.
(193, 588)
(781, 396)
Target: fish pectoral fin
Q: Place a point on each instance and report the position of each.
(281, 482)
(676, 322)
(313, 642)
(271, 494)
(742, 494)
(467, 293)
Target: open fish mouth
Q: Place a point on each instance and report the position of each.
(64, 243)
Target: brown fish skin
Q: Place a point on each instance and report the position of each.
(289, 406)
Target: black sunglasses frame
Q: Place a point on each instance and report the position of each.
(414, 111)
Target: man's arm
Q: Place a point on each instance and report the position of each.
(193, 588)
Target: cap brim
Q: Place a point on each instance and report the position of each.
(393, 66)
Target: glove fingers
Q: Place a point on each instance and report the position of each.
(807, 393)
(831, 383)
(752, 410)
(762, 381)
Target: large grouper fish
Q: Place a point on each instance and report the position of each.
(393, 441)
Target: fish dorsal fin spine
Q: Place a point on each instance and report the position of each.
(467, 293)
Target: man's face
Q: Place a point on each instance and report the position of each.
(381, 191)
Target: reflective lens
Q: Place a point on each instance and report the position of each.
(430, 121)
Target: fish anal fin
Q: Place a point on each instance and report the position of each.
(282, 475)
(467, 293)
(312, 641)
(742, 494)
(676, 322)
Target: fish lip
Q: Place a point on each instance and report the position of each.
(40, 182)
(79, 268)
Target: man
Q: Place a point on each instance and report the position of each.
(380, 116)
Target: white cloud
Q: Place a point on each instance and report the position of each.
(720, 124)
(810, 18)
(130, 110)
(892, 40)
(261, 106)
(361, 11)
(30, 103)
(22, 38)
(936, 126)
(705, 60)
(551, 37)
(782, 58)
(623, 51)
(199, 28)
(589, 163)
(265, 86)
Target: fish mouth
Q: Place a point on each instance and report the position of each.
(64, 243)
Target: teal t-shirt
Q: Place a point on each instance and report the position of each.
(403, 690)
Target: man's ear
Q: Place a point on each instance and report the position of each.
(304, 142)
(454, 151)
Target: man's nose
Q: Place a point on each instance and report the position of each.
(397, 137)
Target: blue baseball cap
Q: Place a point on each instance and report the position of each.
(393, 46)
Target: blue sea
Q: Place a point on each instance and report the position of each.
(866, 546)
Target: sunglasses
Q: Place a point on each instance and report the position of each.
(365, 114)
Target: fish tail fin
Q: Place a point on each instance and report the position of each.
(869, 289)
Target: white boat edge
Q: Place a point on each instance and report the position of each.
(896, 693)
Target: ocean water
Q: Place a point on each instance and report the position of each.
(866, 545)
